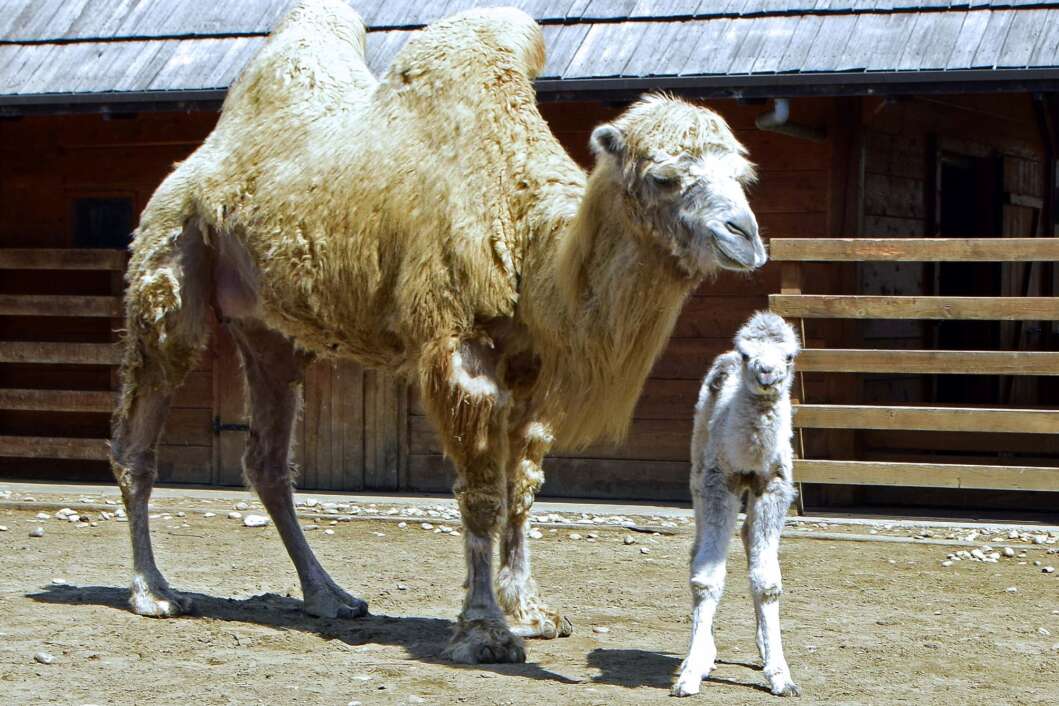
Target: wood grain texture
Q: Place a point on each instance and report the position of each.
(966, 419)
(846, 360)
(929, 475)
(60, 353)
(58, 400)
(53, 447)
(53, 305)
(915, 249)
(57, 259)
(819, 306)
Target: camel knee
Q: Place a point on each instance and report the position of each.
(708, 584)
(482, 510)
(766, 584)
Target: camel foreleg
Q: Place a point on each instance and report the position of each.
(761, 538)
(516, 589)
(716, 510)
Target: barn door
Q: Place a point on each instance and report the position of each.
(346, 438)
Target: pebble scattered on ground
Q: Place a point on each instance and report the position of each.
(255, 521)
(44, 658)
(36, 532)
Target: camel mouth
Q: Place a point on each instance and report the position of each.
(734, 250)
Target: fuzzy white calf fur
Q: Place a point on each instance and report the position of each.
(741, 444)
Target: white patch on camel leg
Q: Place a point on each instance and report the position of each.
(765, 517)
(716, 510)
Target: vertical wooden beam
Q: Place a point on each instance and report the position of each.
(229, 406)
(385, 431)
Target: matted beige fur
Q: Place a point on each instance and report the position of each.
(428, 224)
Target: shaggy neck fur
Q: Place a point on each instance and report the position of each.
(608, 298)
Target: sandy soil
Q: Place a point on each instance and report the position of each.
(858, 628)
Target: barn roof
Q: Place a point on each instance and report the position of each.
(109, 51)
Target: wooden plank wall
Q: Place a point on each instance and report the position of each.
(48, 162)
(792, 198)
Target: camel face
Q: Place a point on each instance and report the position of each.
(686, 176)
(768, 346)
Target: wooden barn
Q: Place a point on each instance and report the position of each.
(906, 152)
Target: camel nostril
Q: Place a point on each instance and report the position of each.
(743, 224)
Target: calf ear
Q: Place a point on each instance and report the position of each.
(607, 139)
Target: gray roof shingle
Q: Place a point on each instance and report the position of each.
(50, 47)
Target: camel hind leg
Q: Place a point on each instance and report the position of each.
(274, 374)
(165, 331)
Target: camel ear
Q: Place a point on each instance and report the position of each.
(607, 139)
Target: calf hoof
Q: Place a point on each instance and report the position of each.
(484, 641)
(786, 689)
(156, 599)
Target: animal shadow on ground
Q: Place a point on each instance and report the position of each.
(633, 668)
(422, 638)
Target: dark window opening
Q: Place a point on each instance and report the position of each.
(103, 222)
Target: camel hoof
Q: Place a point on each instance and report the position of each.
(786, 689)
(484, 641)
(157, 601)
(324, 601)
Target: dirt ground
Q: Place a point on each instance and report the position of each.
(864, 623)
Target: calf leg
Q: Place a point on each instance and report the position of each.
(516, 589)
(765, 517)
(274, 372)
(716, 510)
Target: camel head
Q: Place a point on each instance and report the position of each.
(768, 346)
(684, 176)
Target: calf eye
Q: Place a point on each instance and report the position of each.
(663, 181)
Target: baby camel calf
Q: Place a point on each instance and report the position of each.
(741, 445)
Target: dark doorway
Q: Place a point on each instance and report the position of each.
(968, 190)
(103, 222)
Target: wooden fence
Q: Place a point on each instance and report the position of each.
(792, 303)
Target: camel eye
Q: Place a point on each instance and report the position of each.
(790, 359)
(663, 178)
(746, 357)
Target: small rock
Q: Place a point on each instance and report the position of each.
(241, 506)
(413, 699)
(3, 528)
(311, 502)
(233, 515)
(574, 536)
(329, 531)
(181, 514)
(1012, 589)
(36, 532)
(645, 550)
(535, 534)
(402, 525)
(255, 521)
(310, 528)
(402, 587)
(1048, 570)
(629, 539)
(593, 535)
(1009, 552)
(601, 629)
(1043, 631)
(58, 582)
(44, 658)
(209, 514)
(426, 525)
(946, 563)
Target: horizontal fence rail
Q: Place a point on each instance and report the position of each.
(914, 249)
(792, 303)
(853, 360)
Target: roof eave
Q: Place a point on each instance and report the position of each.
(615, 88)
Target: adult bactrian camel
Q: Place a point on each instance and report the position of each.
(429, 225)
